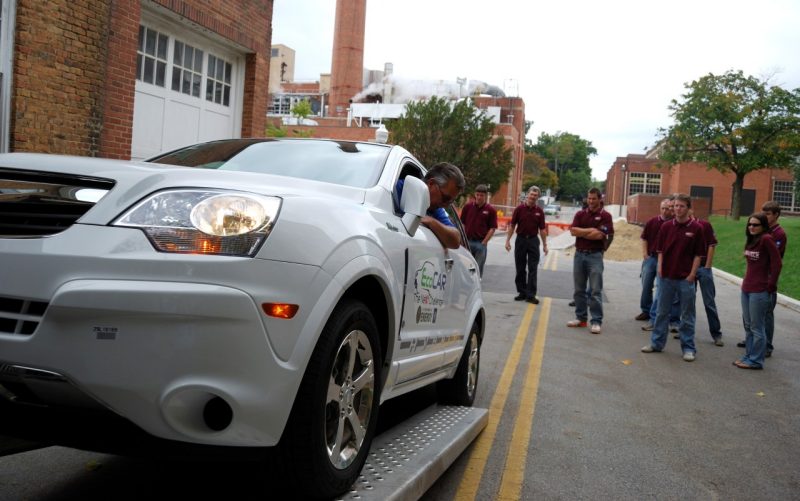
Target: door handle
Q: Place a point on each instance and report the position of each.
(448, 264)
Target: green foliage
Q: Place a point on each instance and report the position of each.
(565, 151)
(535, 172)
(301, 110)
(574, 184)
(734, 123)
(728, 254)
(273, 131)
(438, 131)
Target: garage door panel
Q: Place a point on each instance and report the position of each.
(148, 125)
(215, 126)
(181, 125)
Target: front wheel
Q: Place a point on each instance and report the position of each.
(330, 430)
(461, 389)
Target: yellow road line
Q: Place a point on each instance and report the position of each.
(514, 472)
(468, 488)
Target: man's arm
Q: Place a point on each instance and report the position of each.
(447, 235)
(543, 236)
(509, 232)
(488, 236)
(693, 274)
(710, 255)
(587, 233)
(644, 249)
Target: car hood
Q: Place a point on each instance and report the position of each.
(136, 180)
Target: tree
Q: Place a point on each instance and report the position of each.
(535, 172)
(734, 123)
(575, 184)
(301, 110)
(565, 151)
(437, 130)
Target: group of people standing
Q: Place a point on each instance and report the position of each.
(677, 258)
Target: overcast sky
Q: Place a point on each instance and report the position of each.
(604, 70)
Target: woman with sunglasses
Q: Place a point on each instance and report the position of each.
(760, 280)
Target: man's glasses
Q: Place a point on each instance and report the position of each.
(753, 224)
(446, 198)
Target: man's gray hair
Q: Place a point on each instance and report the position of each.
(534, 188)
(445, 171)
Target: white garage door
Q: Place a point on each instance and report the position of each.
(188, 89)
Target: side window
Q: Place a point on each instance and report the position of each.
(451, 211)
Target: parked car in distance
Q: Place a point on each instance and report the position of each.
(552, 209)
(244, 293)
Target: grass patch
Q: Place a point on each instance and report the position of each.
(728, 255)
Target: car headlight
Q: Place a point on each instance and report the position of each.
(204, 221)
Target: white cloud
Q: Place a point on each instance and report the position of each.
(604, 70)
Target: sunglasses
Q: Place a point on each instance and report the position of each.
(753, 224)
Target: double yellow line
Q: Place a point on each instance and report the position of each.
(516, 456)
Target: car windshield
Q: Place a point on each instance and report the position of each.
(339, 162)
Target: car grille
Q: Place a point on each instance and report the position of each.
(41, 203)
(20, 316)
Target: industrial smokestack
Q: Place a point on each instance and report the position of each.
(347, 65)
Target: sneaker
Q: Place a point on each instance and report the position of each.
(576, 323)
(718, 341)
(688, 356)
(643, 316)
(572, 303)
(648, 349)
(741, 344)
(595, 329)
(533, 300)
(520, 297)
(648, 326)
(673, 328)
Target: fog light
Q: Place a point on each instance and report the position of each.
(217, 414)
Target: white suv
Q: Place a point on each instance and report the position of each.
(246, 292)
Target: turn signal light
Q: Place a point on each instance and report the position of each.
(280, 310)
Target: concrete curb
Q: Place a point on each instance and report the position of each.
(791, 303)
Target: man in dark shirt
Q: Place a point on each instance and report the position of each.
(772, 210)
(650, 258)
(680, 247)
(593, 231)
(480, 223)
(528, 220)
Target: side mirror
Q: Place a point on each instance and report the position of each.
(414, 203)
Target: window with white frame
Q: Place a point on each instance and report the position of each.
(187, 69)
(218, 82)
(151, 56)
(643, 182)
(783, 193)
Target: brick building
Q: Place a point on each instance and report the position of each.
(131, 78)
(643, 174)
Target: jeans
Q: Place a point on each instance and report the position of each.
(478, 251)
(755, 306)
(705, 279)
(769, 325)
(587, 273)
(674, 311)
(686, 292)
(648, 275)
(526, 251)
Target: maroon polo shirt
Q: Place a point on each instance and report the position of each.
(779, 236)
(680, 243)
(650, 233)
(478, 220)
(763, 266)
(599, 219)
(529, 220)
(709, 238)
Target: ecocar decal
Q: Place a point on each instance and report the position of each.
(429, 288)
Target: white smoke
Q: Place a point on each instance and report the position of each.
(399, 90)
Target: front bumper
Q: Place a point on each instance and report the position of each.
(154, 337)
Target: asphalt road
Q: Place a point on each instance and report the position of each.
(572, 415)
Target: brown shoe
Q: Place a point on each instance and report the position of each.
(643, 316)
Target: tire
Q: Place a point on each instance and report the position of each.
(461, 389)
(333, 419)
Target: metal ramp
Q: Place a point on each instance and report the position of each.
(407, 459)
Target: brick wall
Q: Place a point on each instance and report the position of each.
(75, 63)
(57, 97)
